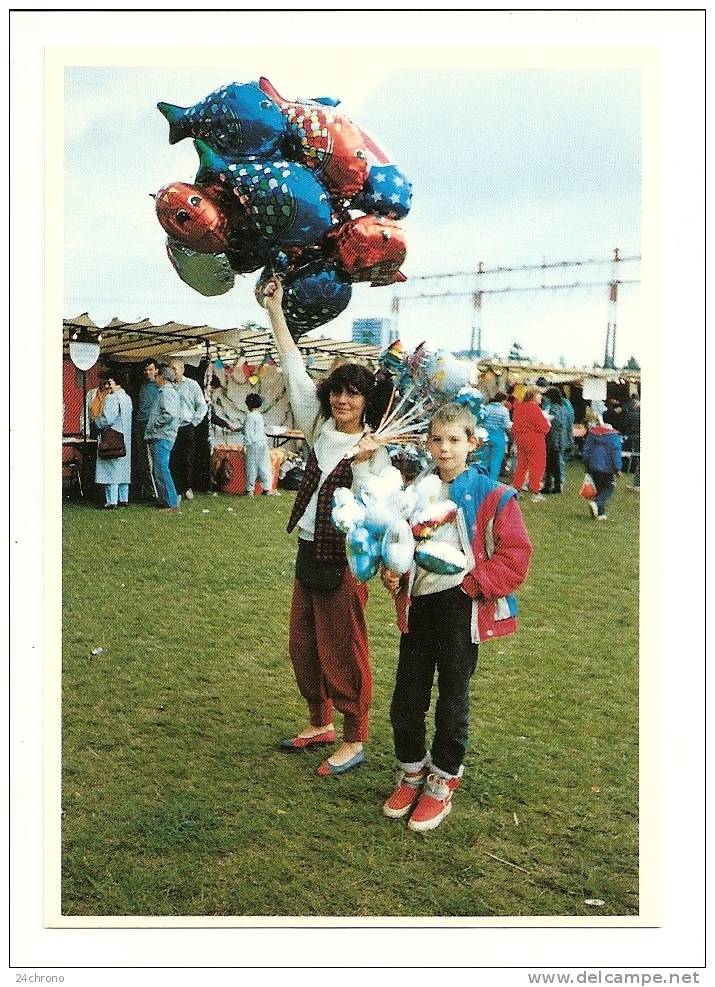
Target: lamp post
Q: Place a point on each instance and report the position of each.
(84, 353)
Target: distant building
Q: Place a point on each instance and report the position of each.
(374, 332)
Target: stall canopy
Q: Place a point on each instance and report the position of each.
(131, 342)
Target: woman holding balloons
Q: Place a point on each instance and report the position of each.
(327, 630)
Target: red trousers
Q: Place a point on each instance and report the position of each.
(531, 459)
(330, 655)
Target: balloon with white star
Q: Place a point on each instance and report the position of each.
(386, 192)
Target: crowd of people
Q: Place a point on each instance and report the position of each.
(533, 437)
(170, 407)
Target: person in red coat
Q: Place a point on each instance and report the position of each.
(529, 428)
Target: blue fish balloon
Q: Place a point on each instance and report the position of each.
(312, 295)
(287, 205)
(386, 192)
(238, 119)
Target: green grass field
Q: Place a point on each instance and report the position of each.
(176, 801)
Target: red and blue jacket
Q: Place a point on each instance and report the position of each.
(602, 450)
(498, 548)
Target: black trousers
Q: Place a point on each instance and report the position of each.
(552, 476)
(439, 638)
(181, 462)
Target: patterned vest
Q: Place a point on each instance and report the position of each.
(329, 542)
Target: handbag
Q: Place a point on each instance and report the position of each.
(111, 444)
(588, 488)
(325, 577)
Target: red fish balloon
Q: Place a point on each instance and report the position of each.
(371, 249)
(327, 141)
(193, 217)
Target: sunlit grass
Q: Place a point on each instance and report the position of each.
(177, 802)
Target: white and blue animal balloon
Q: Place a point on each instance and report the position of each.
(389, 523)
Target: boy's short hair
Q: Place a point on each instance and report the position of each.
(253, 401)
(454, 414)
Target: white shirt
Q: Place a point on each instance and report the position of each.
(254, 429)
(329, 445)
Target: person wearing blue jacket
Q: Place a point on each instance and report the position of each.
(602, 455)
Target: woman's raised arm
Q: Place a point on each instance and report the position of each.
(270, 296)
(299, 385)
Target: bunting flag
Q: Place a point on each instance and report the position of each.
(248, 371)
(229, 372)
(218, 363)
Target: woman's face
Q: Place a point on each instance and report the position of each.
(347, 407)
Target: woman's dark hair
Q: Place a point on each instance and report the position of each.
(500, 396)
(215, 382)
(253, 401)
(554, 395)
(354, 377)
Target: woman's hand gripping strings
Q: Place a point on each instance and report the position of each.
(390, 580)
(270, 297)
(365, 447)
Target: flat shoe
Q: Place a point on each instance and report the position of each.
(300, 743)
(326, 768)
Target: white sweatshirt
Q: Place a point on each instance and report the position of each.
(329, 445)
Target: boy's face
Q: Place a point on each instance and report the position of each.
(449, 446)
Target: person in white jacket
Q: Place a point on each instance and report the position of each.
(258, 458)
(328, 632)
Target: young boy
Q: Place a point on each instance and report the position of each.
(444, 618)
(258, 458)
(602, 449)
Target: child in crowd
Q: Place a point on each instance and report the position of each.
(602, 455)
(444, 618)
(258, 458)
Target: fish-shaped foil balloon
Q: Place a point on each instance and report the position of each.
(312, 295)
(238, 120)
(362, 548)
(440, 557)
(328, 142)
(371, 249)
(426, 520)
(194, 217)
(286, 204)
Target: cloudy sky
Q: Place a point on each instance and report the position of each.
(510, 166)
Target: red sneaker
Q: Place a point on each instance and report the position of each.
(435, 803)
(409, 789)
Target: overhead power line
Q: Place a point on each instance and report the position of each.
(545, 266)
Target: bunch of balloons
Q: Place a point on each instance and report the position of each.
(421, 382)
(295, 188)
(392, 524)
